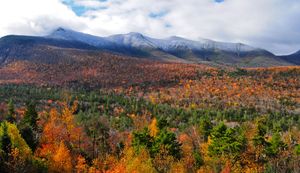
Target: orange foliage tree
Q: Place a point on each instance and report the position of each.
(60, 133)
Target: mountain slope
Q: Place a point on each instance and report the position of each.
(48, 61)
(293, 58)
(35, 48)
(176, 49)
(66, 34)
(138, 40)
(70, 58)
(131, 44)
(85, 68)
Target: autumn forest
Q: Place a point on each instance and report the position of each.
(194, 118)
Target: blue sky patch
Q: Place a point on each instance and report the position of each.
(219, 1)
(158, 14)
(167, 25)
(80, 10)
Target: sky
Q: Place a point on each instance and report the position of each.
(270, 24)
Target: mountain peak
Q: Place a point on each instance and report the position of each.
(61, 32)
(131, 39)
(134, 33)
(68, 34)
(175, 37)
(60, 29)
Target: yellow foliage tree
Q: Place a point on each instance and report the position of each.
(153, 127)
(137, 162)
(16, 139)
(178, 167)
(61, 161)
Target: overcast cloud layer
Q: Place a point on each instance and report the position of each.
(270, 24)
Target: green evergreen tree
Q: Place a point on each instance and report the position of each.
(198, 159)
(228, 142)
(30, 136)
(28, 126)
(259, 137)
(142, 139)
(205, 127)
(165, 139)
(260, 142)
(297, 150)
(5, 148)
(275, 146)
(169, 141)
(11, 117)
(5, 140)
(30, 116)
(162, 123)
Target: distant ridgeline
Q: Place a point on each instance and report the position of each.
(171, 49)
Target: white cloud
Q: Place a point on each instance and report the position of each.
(270, 24)
(35, 17)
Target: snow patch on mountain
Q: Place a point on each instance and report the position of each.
(137, 40)
(132, 39)
(67, 34)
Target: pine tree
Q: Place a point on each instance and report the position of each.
(28, 126)
(5, 141)
(10, 117)
(5, 147)
(198, 159)
(30, 116)
(142, 139)
(164, 139)
(276, 145)
(162, 123)
(263, 148)
(205, 127)
(228, 142)
(259, 137)
(168, 141)
(297, 150)
(29, 135)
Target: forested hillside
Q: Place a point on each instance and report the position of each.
(198, 119)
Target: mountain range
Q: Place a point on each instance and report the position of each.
(170, 49)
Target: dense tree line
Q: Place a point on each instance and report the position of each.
(213, 122)
(109, 132)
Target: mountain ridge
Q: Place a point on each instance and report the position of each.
(133, 44)
(172, 48)
(158, 43)
(292, 58)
